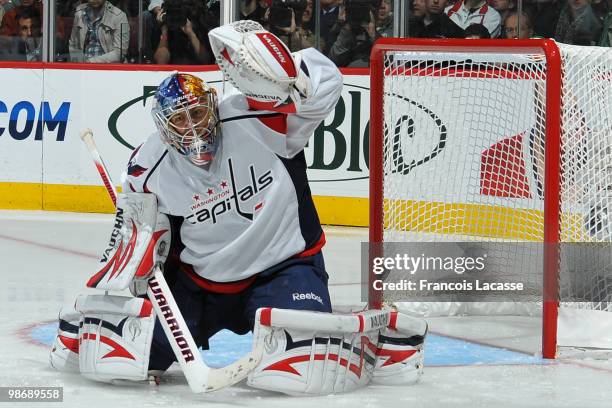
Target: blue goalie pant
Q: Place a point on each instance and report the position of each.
(298, 283)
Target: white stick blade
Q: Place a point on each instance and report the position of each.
(234, 373)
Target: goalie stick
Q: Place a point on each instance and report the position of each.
(87, 138)
(200, 377)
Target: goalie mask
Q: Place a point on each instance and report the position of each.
(185, 112)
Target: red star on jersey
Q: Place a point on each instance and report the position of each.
(196, 197)
(211, 191)
(223, 184)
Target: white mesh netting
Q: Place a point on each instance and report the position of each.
(586, 172)
(464, 148)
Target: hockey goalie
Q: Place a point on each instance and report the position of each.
(216, 229)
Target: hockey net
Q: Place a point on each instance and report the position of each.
(507, 144)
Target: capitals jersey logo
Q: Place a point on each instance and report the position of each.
(231, 197)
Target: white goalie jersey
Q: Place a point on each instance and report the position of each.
(241, 194)
(252, 208)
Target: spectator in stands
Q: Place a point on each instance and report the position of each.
(578, 24)
(184, 34)
(9, 21)
(384, 18)
(601, 8)
(606, 34)
(503, 7)
(213, 13)
(152, 22)
(64, 20)
(130, 8)
(418, 8)
(545, 16)
(7, 5)
(26, 46)
(100, 33)
(511, 26)
(307, 34)
(476, 31)
(29, 42)
(467, 12)
(2, 11)
(436, 24)
(254, 10)
(283, 21)
(330, 12)
(293, 25)
(155, 9)
(352, 46)
(417, 12)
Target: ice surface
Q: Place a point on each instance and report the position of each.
(47, 257)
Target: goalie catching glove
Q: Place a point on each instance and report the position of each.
(260, 66)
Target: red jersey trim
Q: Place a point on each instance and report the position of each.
(229, 288)
(313, 250)
(238, 286)
(277, 123)
(270, 106)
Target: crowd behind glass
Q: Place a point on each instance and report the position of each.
(176, 31)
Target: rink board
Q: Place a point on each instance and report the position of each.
(41, 153)
(44, 164)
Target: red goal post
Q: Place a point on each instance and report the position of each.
(381, 70)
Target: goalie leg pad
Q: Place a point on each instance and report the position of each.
(313, 353)
(115, 337)
(400, 354)
(64, 354)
